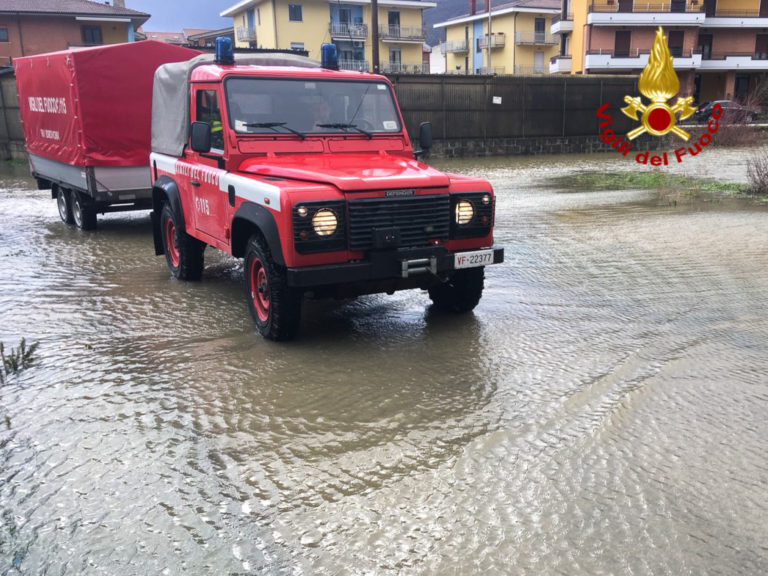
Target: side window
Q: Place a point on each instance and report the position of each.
(3, 34)
(207, 110)
(91, 35)
(294, 13)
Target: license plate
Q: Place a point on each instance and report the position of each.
(472, 259)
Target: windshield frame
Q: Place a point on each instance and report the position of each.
(352, 128)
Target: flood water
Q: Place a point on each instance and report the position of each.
(603, 411)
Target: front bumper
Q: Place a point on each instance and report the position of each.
(383, 265)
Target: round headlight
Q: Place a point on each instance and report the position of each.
(324, 222)
(464, 212)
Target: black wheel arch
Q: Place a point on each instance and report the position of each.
(165, 191)
(249, 219)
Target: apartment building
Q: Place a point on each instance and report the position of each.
(308, 24)
(720, 47)
(514, 38)
(30, 27)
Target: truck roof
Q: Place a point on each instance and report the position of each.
(215, 72)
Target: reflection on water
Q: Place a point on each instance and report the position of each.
(602, 411)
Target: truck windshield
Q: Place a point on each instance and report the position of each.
(300, 106)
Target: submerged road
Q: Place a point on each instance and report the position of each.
(603, 411)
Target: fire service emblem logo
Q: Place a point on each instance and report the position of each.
(659, 83)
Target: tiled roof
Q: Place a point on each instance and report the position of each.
(68, 7)
(168, 37)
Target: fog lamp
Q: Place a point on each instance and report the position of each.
(324, 222)
(464, 212)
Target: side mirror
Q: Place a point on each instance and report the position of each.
(425, 135)
(425, 139)
(201, 137)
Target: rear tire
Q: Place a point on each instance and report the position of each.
(183, 253)
(83, 212)
(461, 293)
(274, 306)
(64, 204)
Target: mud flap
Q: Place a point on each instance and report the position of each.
(156, 235)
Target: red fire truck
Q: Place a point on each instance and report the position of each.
(309, 175)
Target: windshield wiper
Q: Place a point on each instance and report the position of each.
(274, 125)
(345, 126)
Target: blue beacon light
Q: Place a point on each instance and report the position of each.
(224, 52)
(328, 57)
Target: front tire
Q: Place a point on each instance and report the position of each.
(83, 212)
(64, 204)
(274, 306)
(461, 293)
(183, 253)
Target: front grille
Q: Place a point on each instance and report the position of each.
(418, 219)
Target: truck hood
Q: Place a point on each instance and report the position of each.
(349, 172)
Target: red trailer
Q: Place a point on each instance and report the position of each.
(87, 124)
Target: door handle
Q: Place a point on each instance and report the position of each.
(194, 183)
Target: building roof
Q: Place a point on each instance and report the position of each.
(193, 34)
(516, 6)
(193, 31)
(70, 8)
(167, 37)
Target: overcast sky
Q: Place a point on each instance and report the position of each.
(173, 15)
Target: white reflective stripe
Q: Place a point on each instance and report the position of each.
(252, 190)
(164, 163)
(247, 189)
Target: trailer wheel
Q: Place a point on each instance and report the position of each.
(461, 293)
(183, 253)
(275, 307)
(64, 204)
(83, 212)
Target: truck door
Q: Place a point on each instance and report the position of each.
(210, 203)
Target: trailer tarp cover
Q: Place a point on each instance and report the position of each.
(92, 106)
(170, 101)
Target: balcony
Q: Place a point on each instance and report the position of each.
(560, 65)
(356, 65)
(645, 14)
(454, 47)
(494, 41)
(245, 34)
(400, 68)
(529, 70)
(491, 70)
(535, 38)
(560, 26)
(736, 19)
(636, 59)
(746, 62)
(402, 34)
(347, 31)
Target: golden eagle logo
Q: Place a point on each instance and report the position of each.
(658, 82)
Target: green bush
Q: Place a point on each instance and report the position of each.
(18, 359)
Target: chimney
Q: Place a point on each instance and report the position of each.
(119, 4)
(472, 7)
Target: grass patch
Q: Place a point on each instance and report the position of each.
(585, 181)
